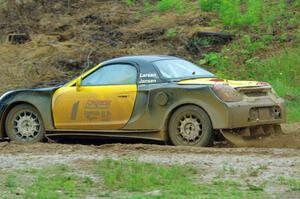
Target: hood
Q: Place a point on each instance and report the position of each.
(232, 83)
(8, 95)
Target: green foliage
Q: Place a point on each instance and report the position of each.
(129, 2)
(156, 19)
(171, 33)
(209, 5)
(148, 8)
(167, 5)
(211, 59)
(229, 11)
(255, 12)
(202, 41)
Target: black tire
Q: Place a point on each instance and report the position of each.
(24, 124)
(190, 126)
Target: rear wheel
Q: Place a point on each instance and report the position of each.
(190, 126)
(24, 124)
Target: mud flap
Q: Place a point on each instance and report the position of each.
(251, 136)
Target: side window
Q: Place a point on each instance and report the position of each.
(116, 74)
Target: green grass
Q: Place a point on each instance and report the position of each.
(254, 13)
(132, 179)
(293, 184)
(11, 182)
(50, 183)
(166, 5)
(136, 176)
(170, 181)
(129, 2)
(209, 5)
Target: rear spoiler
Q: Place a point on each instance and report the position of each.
(253, 89)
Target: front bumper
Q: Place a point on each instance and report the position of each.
(256, 111)
(2, 110)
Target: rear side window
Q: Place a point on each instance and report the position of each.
(116, 74)
(178, 68)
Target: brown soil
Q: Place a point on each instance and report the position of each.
(278, 147)
(64, 42)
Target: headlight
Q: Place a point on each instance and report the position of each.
(4, 95)
(227, 93)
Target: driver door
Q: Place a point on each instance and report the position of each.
(104, 101)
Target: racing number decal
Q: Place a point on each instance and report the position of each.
(74, 110)
(93, 110)
(97, 110)
(105, 116)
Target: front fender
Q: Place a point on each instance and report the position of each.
(39, 98)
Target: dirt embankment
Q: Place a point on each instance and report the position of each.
(62, 41)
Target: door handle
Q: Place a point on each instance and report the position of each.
(124, 95)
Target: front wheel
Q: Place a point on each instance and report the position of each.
(24, 124)
(190, 126)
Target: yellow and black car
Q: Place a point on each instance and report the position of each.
(153, 97)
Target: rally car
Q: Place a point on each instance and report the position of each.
(155, 97)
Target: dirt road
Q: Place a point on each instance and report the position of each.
(255, 165)
(281, 152)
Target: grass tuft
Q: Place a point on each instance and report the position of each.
(136, 176)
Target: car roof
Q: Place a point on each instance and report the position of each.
(140, 58)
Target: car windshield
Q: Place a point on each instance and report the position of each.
(181, 69)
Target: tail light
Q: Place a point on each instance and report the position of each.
(227, 93)
(262, 84)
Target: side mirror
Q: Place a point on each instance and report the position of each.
(78, 84)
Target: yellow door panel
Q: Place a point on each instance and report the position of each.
(93, 107)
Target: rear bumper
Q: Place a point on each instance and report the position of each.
(257, 111)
